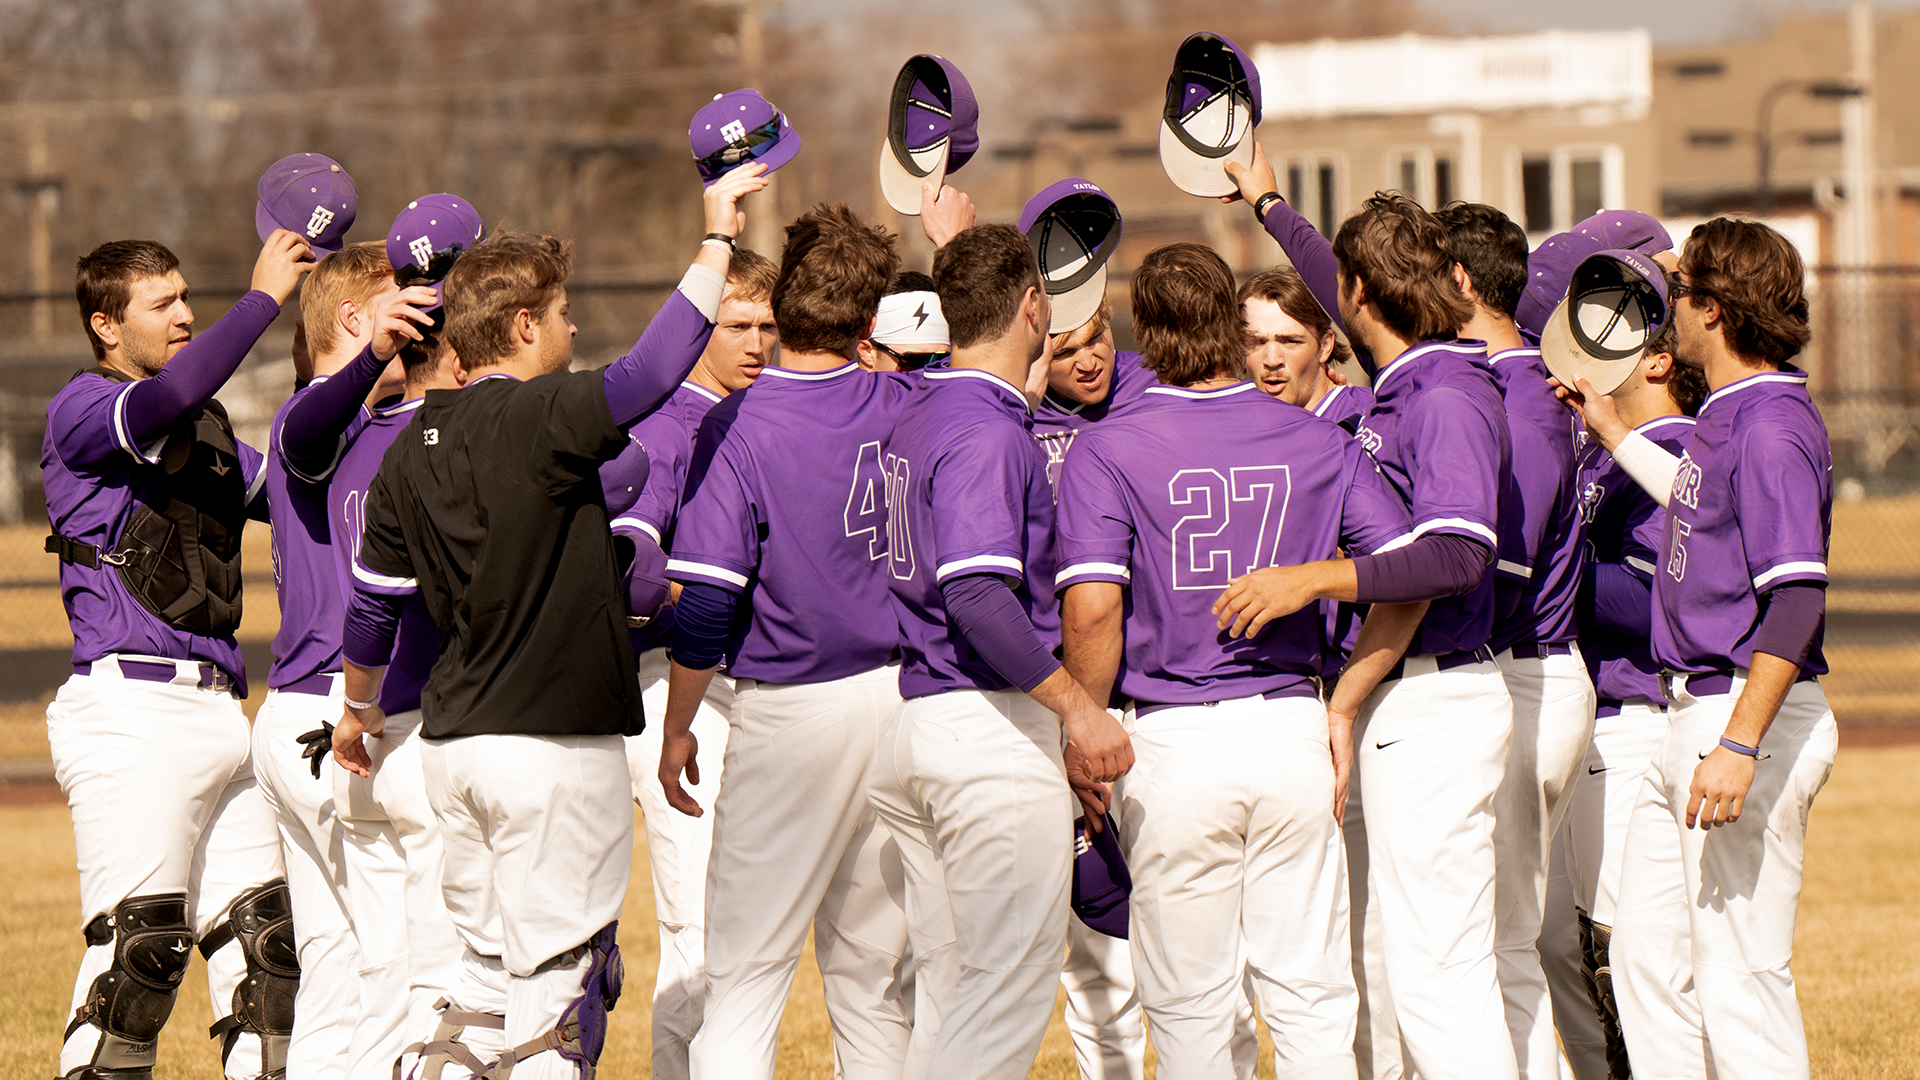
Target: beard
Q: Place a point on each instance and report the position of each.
(145, 356)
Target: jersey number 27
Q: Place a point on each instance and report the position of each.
(1233, 526)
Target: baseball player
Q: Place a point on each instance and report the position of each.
(490, 505)
(1717, 838)
(1436, 733)
(972, 782)
(743, 342)
(354, 320)
(1295, 349)
(909, 333)
(1239, 764)
(1538, 582)
(148, 491)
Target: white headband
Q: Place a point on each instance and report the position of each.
(911, 322)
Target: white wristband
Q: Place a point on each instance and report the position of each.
(1650, 465)
(702, 286)
(361, 706)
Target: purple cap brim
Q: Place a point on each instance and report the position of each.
(782, 152)
(1616, 304)
(900, 183)
(1550, 267)
(1204, 109)
(1101, 881)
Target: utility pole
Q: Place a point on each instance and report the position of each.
(764, 227)
(43, 195)
(1861, 238)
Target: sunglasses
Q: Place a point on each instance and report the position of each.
(1677, 288)
(743, 149)
(910, 361)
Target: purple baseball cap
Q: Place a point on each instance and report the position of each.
(428, 235)
(737, 128)
(1212, 107)
(309, 194)
(1550, 267)
(1101, 882)
(932, 129)
(1073, 227)
(1616, 304)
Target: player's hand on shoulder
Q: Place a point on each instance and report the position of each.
(945, 213)
(284, 259)
(1102, 741)
(722, 200)
(680, 754)
(1719, 791)
(1253, 600)
(398, 318)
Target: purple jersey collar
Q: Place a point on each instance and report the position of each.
(703, 391)
(1795, 378)
(382, 412)
(1019, 397)
(1201, 395)
(1475, 351)
(789, 375)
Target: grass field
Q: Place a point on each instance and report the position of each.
(1856, 958)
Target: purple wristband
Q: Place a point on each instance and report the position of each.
(1748, 751)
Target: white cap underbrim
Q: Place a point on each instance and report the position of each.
(902, 188)
(1567, 360)
(1072, 309)
(1197, 174)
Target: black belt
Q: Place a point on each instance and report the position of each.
(1704, 683)
(1443, 662)
(1540, 650)
(1305, 688)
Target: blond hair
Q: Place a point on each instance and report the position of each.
(354, 273)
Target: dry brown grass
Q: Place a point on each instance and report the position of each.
(1856, 960)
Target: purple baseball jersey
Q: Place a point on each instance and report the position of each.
(1541, 531)
(665, 440)
(86, 460)
(1193, 488)
(1345, 405)
(1624, 527)
(970, 496)
(312, 607)
(1438, 431)
(1056, 421)
(1751, 508)
(786, 504)
(417, 644)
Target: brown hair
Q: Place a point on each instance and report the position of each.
(1759, 281)
(1186, 315)
(833, 272)
(491, 283)
(1399, 252)
(981, 277)
(1492, 250)
(1282, 285)
(355, 273)
(103, 280)
(751, 276)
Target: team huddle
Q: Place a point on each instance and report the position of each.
(1463, 725)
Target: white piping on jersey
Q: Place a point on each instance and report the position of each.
(707, 570)
(1797, 377)
(495, 375)
(1201, 395)
(1326, 400)
(1641, 565)
(1524, 350)
(1786, 568)
(636, 523)
(1519, 570)
(395, 410)
(974, 373)
(1004, 562)
(811, 376)
(260, 475)
(1467, 351)
(1473, 527)
(382, 580)
(1088, 569)
(150, 455)
(703, 391)
(277, 445)
(1661, 421)
(1397, 542)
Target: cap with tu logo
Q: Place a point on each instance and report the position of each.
(1615, 305)
(309, 194)
(739, 128)
(428, 235)
(1550, 267)
(932, 129)
(1212, 107)
(1073, 227)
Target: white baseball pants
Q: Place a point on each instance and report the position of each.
(1376, 1042)
(972, 787)
(1238, 870)
(1431, 765)
(1553, 706)
(1703, 931)
(795, 844)
(328, 1004)
(1103, 1007)
(409, 950)
(677, 847)
(538, 842)
(159, 777)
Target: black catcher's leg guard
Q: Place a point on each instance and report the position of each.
(130, 1001)
(1594, 942)
(261, 921)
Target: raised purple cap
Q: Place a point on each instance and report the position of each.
(932, 129)
(1550, 267)
(1073, 228)
(1211, 109)
(1616, 304)
(1101, 881)
(309, 194)
(428, 235)
(737, 128)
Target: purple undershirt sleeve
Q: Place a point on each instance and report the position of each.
(1433, 566)
(647, 589)
(373, 622)
(1312, 257)
(1793, 619)
(1618, 600)
(310, 432)
(637, 383)
(199, 370)
(993, 622)
(702, 625)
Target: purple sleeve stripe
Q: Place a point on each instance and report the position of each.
(382, 584)
(1790, 571)
(630, 523)
(1640, 568)
(980, 564)
(1093, 571)
(1458, 525)
(1513, 569)
(680, 569)
(125, 438)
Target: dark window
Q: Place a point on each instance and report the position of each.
(1820, 138)
(1586, 189)
(1410, 176)
(1296, 190)
(1326, 201)
(1710, 138)
(1699, 69)
(1442, 181)
(1536, 189)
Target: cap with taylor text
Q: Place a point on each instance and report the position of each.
(739, 128)
(1101, 881)
(932, 129)
(911, 322)
(1616, 304)
(308, 194)
(1550, 267)
(1073, 227)
(428, 235)
(1212, 107)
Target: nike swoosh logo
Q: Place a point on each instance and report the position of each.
(1703, 757)
(1384, 745)
(1595, 772)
